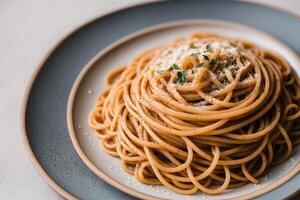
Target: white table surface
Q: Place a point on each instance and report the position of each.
(28, 29)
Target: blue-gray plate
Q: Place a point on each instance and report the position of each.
(44, 123)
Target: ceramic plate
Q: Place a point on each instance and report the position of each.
(90, 83)
(44, 114)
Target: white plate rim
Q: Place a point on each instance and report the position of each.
(123, 40)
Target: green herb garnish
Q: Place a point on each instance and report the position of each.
(213, 62)
(205, 57)
(195, 54)
(200, 65)
(193, 71)
(209, 47)
(181, 77)
(224, 65)
(174, 66)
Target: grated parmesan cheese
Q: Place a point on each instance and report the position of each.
(173, 55)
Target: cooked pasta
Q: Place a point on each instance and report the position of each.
(203, 113)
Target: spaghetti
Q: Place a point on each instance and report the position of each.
(204, 113)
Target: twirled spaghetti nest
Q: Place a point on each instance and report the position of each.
(216, 118)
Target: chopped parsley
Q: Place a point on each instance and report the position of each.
(205, 57)
(200, 65)
(181, 77)
(213, 62)
(193, 71)
(174, 66)
(209, 47)
(195, 53)
(224, 65)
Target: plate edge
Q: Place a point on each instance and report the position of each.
(24, 135)
(139, 33)
(35, 162)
